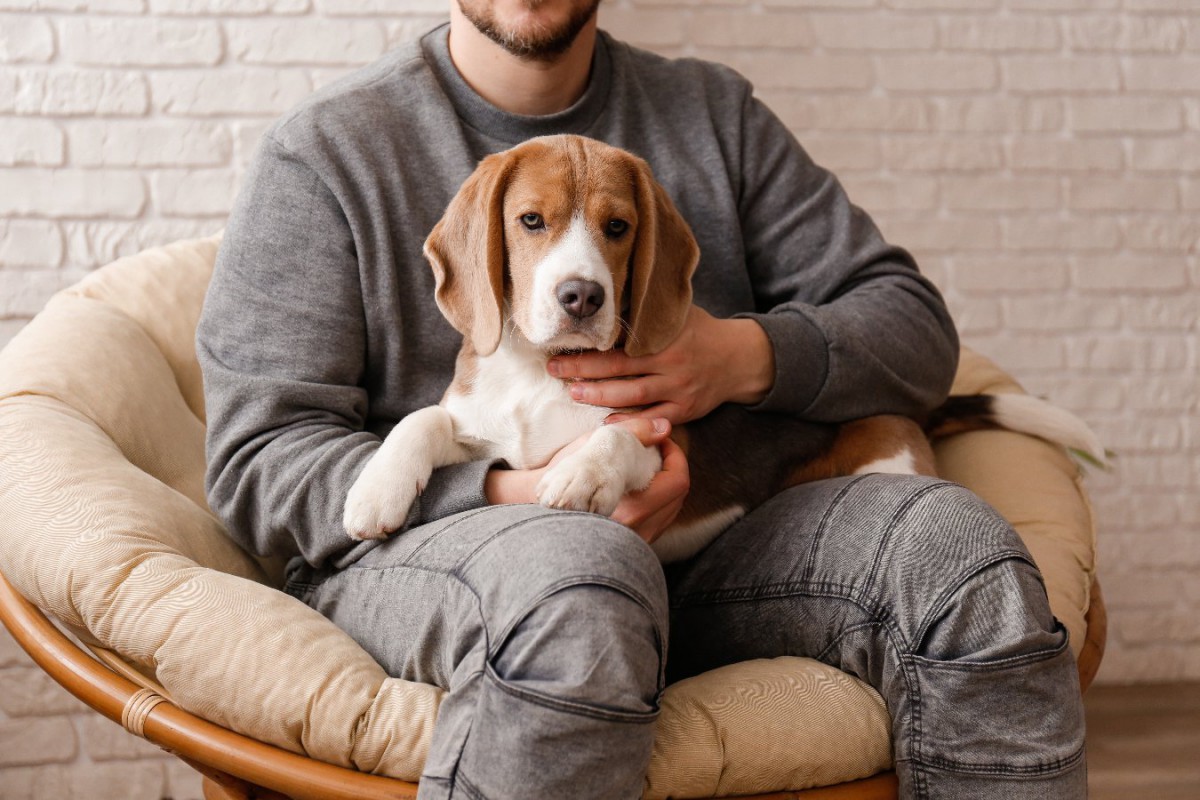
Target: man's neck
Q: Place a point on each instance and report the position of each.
(531, 88)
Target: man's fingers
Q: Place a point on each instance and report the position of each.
(649, 430)
(651, 511)
(674, 460)
(597, 365)
(652, 526)
(668, 411)
(623, 393)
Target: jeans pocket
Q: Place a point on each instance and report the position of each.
(525, 743)
(1014, 717)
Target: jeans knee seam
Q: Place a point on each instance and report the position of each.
(454, 524)
(957, 583)
(521, 523)
(901, 512)
(824, 523)
(568, 706)
(568, 583)
(873, 623)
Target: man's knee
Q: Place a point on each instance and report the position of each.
(939, 551)
(586, 644)
(551, 550)
(577, 610)
(964, 583)
(967, 608)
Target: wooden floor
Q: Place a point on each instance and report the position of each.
(1144, 742)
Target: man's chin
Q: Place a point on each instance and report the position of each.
(532, 41)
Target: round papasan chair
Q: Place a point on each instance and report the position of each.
(187, 641)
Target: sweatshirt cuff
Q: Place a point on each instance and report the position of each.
(801, 361)
(454, 489)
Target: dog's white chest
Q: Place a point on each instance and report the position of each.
(515, 411)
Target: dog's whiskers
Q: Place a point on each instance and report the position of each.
(627, 329)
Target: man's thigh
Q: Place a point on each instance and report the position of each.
(825, 559)
(447, 595)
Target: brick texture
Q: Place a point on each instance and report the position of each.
(1040, 157)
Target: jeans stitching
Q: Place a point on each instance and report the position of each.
(878, 618)
(1058, 765)
(768, 591)
(358, 565)
(824, 523)
(455, 523)
(567, 706)
(916, 728)
(1036, 657)
(864, 600)
(823, 655)
(462, 782)
(300, 590)
(969, 572)
(907, 667)
(519, 523)
(583, 580)
(907, 662)
(906, 670)
(901, 512)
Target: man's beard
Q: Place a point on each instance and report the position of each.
(543, 44)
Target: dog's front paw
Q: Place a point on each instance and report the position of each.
(581, 484)
(379, 502)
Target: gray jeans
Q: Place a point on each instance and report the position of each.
(550, 629)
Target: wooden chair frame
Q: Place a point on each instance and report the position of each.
(236, 767)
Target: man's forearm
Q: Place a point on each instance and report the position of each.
(503, 486)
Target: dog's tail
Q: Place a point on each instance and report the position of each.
(1021, 413)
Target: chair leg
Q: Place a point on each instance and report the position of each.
(219, 786)
(215, 791)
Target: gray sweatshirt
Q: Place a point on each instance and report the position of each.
(320, 330)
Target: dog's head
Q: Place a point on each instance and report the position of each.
(556, 237)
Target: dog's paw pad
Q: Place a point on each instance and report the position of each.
(374, 510)
(580, 486)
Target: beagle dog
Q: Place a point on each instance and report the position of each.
(564, 244)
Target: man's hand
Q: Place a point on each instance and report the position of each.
(712, 361)
(648, 512)
(652, 510)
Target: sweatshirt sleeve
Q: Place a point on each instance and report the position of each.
(282, 343)
(856, 329)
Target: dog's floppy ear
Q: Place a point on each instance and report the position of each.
(466, 250)
(665, 255)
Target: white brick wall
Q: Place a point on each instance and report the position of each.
(1041, 157)
(52, 746)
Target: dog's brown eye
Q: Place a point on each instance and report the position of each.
(533, 221)
(616, 227)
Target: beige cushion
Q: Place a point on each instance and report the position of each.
(103, 523)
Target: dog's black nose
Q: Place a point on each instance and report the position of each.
(579, 298)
